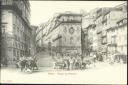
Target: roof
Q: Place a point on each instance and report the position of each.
(120, 5)
(121, 20)
(68, 14)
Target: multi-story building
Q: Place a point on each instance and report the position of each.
(33, 40)
(64, 33)
(89, 39)
(117, 30)
(100, 22)
(112, 17)
(39, 33)
(102, 28)
(16, 27)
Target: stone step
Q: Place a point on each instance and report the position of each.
(47, 62)
(44, 60)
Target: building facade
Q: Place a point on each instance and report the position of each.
(104, 31)
(33, 40)
(39, 33)
(100, 22)
(117, 32)
(16, 28)
(64, 34)
(89, 39)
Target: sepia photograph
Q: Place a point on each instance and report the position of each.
(63, 42)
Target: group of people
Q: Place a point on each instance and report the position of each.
(4, 61)
(26, 63)
(72, 62)
(116, 58)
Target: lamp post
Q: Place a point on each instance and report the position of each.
(29, 51)
(3, 43)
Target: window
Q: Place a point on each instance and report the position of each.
(3, 16)
(14, 52)
(109, 15)
(65, 39)
(14, 18)
(9, 2)
(71, 30)
(16, 44)
(113, 39)
(19, 46)
(63, 19)
(19, 38)
(20, 53)
(4, 2)
(17, 30)
(78, 28)
(65, 29)
(17, 53)
(104, 40)
(124, 21)
(13, 44)
(20, 33)
(71, 18)
(14, 29)
(71, 40)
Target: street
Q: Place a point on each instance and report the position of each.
(102, 73)
(77, 42)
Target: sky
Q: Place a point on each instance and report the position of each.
(42, 11)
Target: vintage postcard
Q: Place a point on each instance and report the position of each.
(63, 42)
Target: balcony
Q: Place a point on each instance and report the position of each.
(105, 42)
(112, 44)
(71, 21)
(85, 32)
(104, 34)
(57, 38)
(104, 20)
(99, 29)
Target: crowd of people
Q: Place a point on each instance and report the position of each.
(65, 61)
(72, 61)
(76, 61)
(26, 63)
(4, 62)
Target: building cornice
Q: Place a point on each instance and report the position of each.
(116, 27)
(16, 10)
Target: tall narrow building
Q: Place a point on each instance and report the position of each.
(64, 34)
(16, 29)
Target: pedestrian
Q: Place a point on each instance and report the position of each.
(71, 63)
(67, 62)
(94, 58)
(83, 66)
(80, 61)
(15, 62)
(5, 61)
(73, 66)
(76, 63)
(23, 62)
(111, 58)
